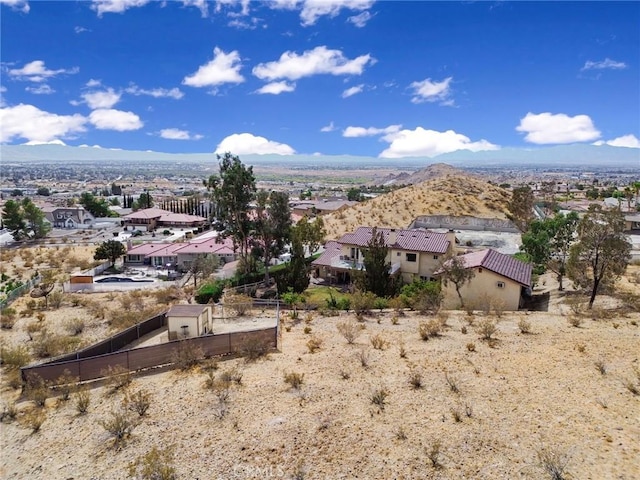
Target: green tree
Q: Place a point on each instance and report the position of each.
(602, 252)
(354, 194)
(43, 191)
(272, 225)
(203, 266)
(454, 270)
(35, 219)
(548, 243)
(99, 208)
(295, 277)
(110, 250)
(233, 191)
(376, 276)
(521, 207)
(311, 233)
(13, 219)
(144, 201)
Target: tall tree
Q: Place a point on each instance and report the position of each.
(35, 219)
(602, 252)
(99, 208)
(144, 201)
(548, 243)
(110, 250)
(295, 277)
(233, 191)
(13, 219)
(376, 277)
(454, 270)
(272, 224)
(311, 232)
(203, 266)
(521, 207)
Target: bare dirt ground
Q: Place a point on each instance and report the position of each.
(519, 396)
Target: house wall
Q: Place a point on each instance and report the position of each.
(484, 284)
(196, 325)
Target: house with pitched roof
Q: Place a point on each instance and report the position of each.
(413, 253)
(152, 218)
(497, 276)
(67, 217)
(188, 321)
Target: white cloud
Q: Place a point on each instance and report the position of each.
(19, 5)
(361, 19)
(52, 142)
(276, 88)
(429, 143)
(93, 83)
(314, 9)
(36, 71)
(320, 60)
(224, 68)
(246, 144)
(244, 6)
(328, 128)
(33, 124)
(101, 99)
(79, 29)
(177, 134)
(629, 141)
(115, 6)
(250, 24)
(175, 93)
(109, 119)
(199, 4)
(352, 91)
(545, 128)
(606, 64)
(352, 132)
(432, 91)
(42, 89)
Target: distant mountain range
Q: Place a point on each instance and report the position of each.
(558, 156)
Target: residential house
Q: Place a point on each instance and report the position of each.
(187, 321)
(67, 217)
(497, 276)
(413, 254)
(632, 222)
(152, 218)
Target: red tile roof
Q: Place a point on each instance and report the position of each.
(505, 265)
(331, 250)
(416, 240)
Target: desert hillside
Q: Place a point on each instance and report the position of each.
(451, 194)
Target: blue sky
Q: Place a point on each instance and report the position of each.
(358, 77)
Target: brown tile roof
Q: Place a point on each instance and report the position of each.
(331, 250)
(417, 240)
(505, 265)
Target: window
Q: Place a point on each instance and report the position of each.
(500, 284)
(425, 279)
(398, 254)
(412, 257)
(435, 257)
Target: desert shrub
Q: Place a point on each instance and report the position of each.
(498, 304)
(138, 402)
(345, 374)
(363, 357)
(581, 347)
(116, 377)
(75, 326)
(553, 463)
(344, 304)
(378, 342)
(524, 325)
(294, 379)
(34, 419)
(15, 356)
(575, 321)
(415, 379)
(48, 344)
(430, 328)
(41, 316)
(456, 414)
(434, 452)
(7, 318)
(237, 303)
(210, 292)
(395, 320)
(33, 328)
(65, 384)
(82, 400)
(307, 330)
(314, 344)
(37, 390)
(452, 382)
(486, 328)
(362, 302)
(631, 386)
(119, 425)
(380, 303)
(401, 349)
(233, 375)
(349, 330)
(471, 347)
(254, 348)
(577, 306)
(186, 355)
(9, 412)
(55, 299)
(379, 396)
(157, 464)
(397, 304)
(601, 366)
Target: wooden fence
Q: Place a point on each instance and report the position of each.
(94, 367)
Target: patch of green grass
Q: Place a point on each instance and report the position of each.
(320, 295)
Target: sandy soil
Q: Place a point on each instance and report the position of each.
(524, 393)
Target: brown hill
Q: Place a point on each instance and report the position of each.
(452, 194)
(432, 171)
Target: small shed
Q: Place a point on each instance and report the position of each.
(187, 321)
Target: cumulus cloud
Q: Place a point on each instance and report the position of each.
(42, 89)
(101, 99)
(429, 143)
(19, 5)
(320, 60)
(36, 71)
(328, 128)
(361, 19)
(247, 143)
(115, 6)
(276, 88)
(606, 64)
(545, 128)
(432, 91)
(352, 132)
(177, 134)
(110, 119)
(33, 124)
(243, 4)
(199, 4)
(224, 68)
(629, 141)
(175, 92)
(352, 91)
(314, 9)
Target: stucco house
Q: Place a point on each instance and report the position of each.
(497, 276)
(187, 321)
(152, 218)
(413, 254)
(67, 217)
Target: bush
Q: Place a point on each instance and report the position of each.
(362, 302)
(349, 330)
(119, 425)
(363, 357)
(37, 390)
(553, 463)
(7, 318)
(186, 355)
(254, 348)
(314, 344)
(378, 342)
(486, 328)
(238, 303)
(75, 326)
(234, 375)
(379, 396)
(54, 299)
(380, 303)
(116, 378)
(138, 402)
(575, 321)
(210, 292)
(452, 382)
(83, 399)
(415, 379)
(9, 412)
(434, 452)
(430, 328)
(307, 330)
(294, 379)
(471, 347)
(157, 464)
(34, 419)
(14, 356)
(524, 325)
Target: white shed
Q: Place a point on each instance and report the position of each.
(187, 321)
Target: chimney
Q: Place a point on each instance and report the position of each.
(129, 244)
(451, 236)
(393, 236)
